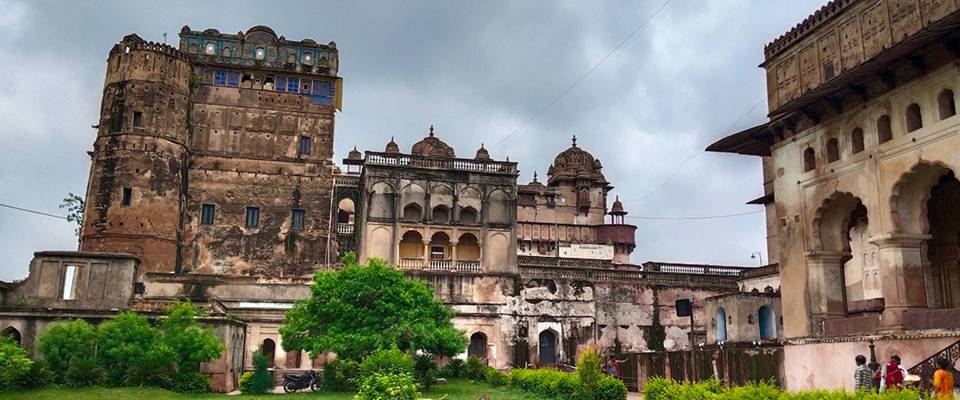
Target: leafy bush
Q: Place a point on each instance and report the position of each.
(426, 370)
(84, 372)
(14, 364)
(453, 369)
(191, 344)
(548, 382)
(663, 389)
(258, 381)
(341, 375)
(474, 369)
(391, 361)
(496, 378)
(388, 387)
(610, 388)
(589, 369)
(125, 343)
(64, 342)
(192, 382)
(38, 376)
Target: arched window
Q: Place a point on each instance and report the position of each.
(768, 323)
(268, 348)
(345, 211)
(478, 346)
(439, 246)
(292, 58)
(412, 212)
(856, 140)
(468, 248)
(12, 333)
(227, 52)
(260, 53)
(548, 347)
(884, 134)
(210, 49)
(914, 119)
(833, 150)
(411, 245)
(809, 160)
(946, 104)
(721, 325)
(469, 215)
(441, 214)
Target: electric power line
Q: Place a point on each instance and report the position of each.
(33, 211)
(584, 75)
(699, 218)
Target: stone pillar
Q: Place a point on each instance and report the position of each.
(825, 287)
(453, 252)
(901, 276)
(426, 252)
(427, 210)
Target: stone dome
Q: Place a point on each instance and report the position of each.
(431, 146)
(575, 163)
(482, 153)
(354, 154)
(617, 208)
(392, 147)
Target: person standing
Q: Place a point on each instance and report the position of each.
(890, 375)
(943, 380)
(862, 376)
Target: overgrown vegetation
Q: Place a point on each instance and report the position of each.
(129, 350)
(16, 368)
(663, 389)
(74, 205)
(259, 380)
(359, 309)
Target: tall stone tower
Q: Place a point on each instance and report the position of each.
(135, 194)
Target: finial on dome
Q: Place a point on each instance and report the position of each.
(431, 130)
(534, 176)
(392, 146)
(574, 140)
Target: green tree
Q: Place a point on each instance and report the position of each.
(129, 349)
(14, 364)
(64, 343)
(74, 205)
(190, 343)
(360, 309)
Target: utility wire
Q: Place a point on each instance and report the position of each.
(676, 171)
(699, 218)
(584, 75)
(33, 211)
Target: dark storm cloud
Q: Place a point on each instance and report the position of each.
(476, 70)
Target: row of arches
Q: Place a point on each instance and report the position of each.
(547, 346)
(913, 117)
(766, 323)
(923, 246)
(439, 204)
(440, 247)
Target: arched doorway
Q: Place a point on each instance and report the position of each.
(844, 264)
(439, 246)
(268, 349)
(478, 346)
(721, 321)
(548, 347)
(13, 334)
(767, 322)
(943, 247)
(468, 248)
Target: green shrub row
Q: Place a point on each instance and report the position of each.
(17, 370)
(130, 351)
(566, 386)
(664, 389)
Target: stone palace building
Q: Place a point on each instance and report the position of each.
(213, 179)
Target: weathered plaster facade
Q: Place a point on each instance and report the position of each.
(859, 164)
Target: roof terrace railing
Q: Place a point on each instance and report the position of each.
(459, 164)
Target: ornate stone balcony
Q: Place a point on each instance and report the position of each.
(441, 163)
(419, 264)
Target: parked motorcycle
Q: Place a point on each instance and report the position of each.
(294, 382)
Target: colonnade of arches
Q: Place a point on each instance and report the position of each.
(913, 263)
(439, 204)
(413, 246)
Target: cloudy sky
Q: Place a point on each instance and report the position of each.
(478, 71)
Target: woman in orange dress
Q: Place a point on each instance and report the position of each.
(943, 380)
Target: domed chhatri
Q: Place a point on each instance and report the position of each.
(482, 153)
(617, 208)
(574, 163)
(431, 146)
(392, 147)
(354, 154)
(535, 182)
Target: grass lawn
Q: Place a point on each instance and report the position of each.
(453, 390)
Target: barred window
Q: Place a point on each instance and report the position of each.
(298, 217)
(206, 214)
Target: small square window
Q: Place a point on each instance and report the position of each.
(206, 214)
(253, 217)
(220, 77)
(233, 79)
(127, 197)
(298, 217)
(137, 119)
(304, 145)
(293, 85)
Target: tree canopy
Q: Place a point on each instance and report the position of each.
(359, 309)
